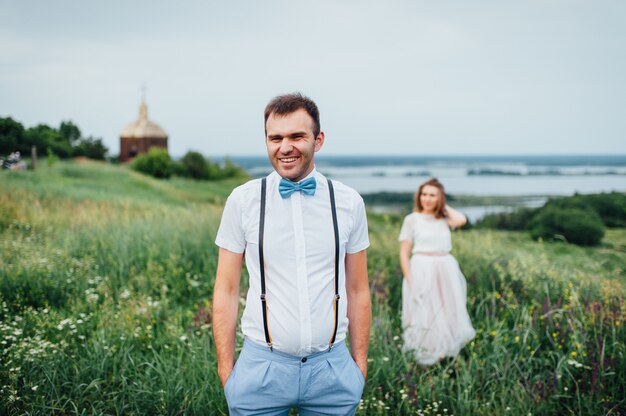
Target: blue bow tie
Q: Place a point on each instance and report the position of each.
(287, 187)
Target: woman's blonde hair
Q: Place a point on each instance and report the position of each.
(441, 203)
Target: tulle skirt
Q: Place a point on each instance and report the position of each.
(434, 314)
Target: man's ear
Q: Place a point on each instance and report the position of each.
(319, 141)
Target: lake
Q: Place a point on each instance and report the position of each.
(533, 177)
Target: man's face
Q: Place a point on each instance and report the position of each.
(291, 145)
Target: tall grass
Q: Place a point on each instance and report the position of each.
(106, 278)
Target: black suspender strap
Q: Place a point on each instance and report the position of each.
(268, 339)
(333, 209)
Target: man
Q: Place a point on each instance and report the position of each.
(304, 240)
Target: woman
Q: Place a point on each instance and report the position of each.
(434, 315)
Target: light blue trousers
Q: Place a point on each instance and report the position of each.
(266, 382)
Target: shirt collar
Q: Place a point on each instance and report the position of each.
(311, 174)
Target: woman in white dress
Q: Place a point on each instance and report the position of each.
(434, 314)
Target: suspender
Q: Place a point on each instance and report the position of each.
(268, 338)
(336, 229)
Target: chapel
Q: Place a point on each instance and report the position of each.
(140, 135)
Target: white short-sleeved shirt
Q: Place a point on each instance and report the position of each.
(428, 234)
(299, 252)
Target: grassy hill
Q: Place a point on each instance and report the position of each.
(106, 278)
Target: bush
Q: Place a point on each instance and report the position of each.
(517, 220)
(91, 148)
(230, 170)
(610, 206)
(196, 166)
(156, 162)
(574, 225)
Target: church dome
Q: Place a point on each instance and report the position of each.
(143, 127)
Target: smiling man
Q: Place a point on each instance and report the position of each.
(304, 241)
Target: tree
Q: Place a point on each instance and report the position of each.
(575, 225)
(90, 147)
(70, 132)
(156, 162)
(196, 166)
(230, 170)
(11, 136)
(48, 138)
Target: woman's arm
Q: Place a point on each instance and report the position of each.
(455, 218)
(405, 257)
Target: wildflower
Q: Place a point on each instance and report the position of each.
(517, 338)
(574, 363)
(34, 388)
(493, 333)
(573, 354)
(385, 359)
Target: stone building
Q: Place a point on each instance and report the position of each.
(140, 135)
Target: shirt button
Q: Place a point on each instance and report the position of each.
(303, 359)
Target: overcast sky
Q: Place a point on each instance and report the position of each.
(390, 77)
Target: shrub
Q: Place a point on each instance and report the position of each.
(90, 147)
(156, 162)
(517, 220)
(575, 225)
(610, 206)
(196, 166)
(230, 170)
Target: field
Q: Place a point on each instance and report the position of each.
(106, 279)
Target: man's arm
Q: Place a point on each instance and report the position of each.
(225, 308)
(359, 308)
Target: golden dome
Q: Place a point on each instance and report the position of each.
(143, 127)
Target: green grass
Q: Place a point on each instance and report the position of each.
(106, 278)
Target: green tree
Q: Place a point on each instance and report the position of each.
(230, 170)
(46, 137)
(578, 226)
(214, 170)
(610, 206)
(156, 162)
(70, 132)
(90, 147)
(196, 166)
(11, 136)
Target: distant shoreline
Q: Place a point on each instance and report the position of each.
(403, 160)
(393, 198)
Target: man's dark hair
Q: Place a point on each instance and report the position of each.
(290, 103)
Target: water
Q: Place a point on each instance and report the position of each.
(533, 177)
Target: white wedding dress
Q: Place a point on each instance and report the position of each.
(434, 314)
